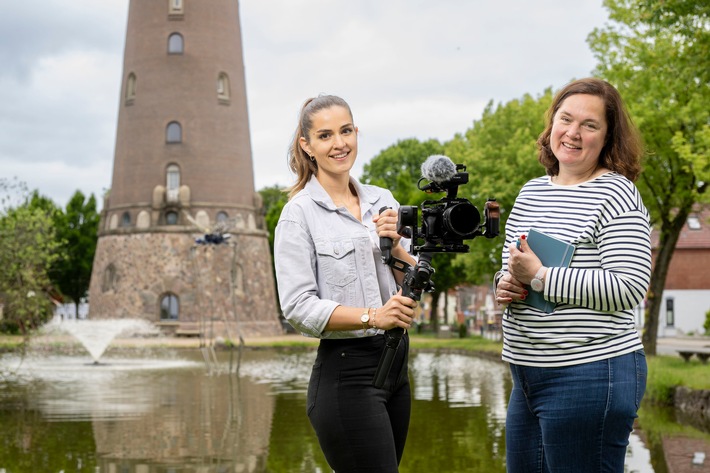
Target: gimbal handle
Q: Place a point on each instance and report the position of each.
(416, 279)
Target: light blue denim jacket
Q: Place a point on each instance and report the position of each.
(325, 257)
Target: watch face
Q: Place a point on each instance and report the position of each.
(365, 318)
(536, 285)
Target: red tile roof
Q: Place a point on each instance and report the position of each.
(691, 238)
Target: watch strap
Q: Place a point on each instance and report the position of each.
(537, 284)
(540, 273)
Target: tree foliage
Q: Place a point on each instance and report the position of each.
(274, 198)
(77, 231)
(500, 154)
(655, 52)
(398, 168)
(28, 247)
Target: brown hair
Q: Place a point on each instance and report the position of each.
(298, 160)
(622, 149)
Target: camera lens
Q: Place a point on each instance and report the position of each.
(461, 219)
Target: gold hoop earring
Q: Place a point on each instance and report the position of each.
(312, 158)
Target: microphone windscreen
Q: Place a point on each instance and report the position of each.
(438, 168)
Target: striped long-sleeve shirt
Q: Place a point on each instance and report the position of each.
(609, 274)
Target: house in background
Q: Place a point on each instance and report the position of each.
(476, 307)
(686, 297)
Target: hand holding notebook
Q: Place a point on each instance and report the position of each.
(552, 252)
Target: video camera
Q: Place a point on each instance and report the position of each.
(446, 223)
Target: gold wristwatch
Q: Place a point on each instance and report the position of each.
(365, 319)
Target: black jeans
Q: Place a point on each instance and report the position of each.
(360, 428)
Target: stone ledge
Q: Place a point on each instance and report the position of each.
(693, 405)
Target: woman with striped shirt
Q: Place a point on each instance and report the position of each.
(579, 372)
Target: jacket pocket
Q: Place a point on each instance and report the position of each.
(336, 259)
(313, 385)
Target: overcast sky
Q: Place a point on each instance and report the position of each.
(408, 68)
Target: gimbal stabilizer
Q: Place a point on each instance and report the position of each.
(416, 280)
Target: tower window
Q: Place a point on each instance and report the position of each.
(175, 7)
(171, 217)
(169, 307)
(172, 186)
(109, 280)
(173, 177)
(223, 86)
(175, 44)
(130, 88)
(126, 219)
(222, 216)
(173, 133)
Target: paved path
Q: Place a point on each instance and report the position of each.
(671, 345)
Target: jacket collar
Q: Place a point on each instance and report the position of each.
(316, 192)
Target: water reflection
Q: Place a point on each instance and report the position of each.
(73, 389)
(461, 381)
(172, 415)
(638, 458)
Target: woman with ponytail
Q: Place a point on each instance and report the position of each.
(334, 286)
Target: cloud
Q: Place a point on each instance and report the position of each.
(34, 29)
(408, 68)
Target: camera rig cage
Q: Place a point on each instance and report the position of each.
(446, 223)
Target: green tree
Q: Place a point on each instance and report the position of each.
(500, 154)
(656, 53)
(274, 198)
(398, 168)
(43, 203)
(28, 247)
(77, 231)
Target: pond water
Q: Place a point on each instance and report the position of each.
(173, 414)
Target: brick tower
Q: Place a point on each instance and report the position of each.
(182, 164)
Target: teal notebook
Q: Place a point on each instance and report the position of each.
(552, 252)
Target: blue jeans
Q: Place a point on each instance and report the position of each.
(574, 419)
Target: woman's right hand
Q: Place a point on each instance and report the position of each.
(386, 226)
(397, 312)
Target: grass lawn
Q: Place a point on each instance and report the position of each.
(9, 343)
(667, 372)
